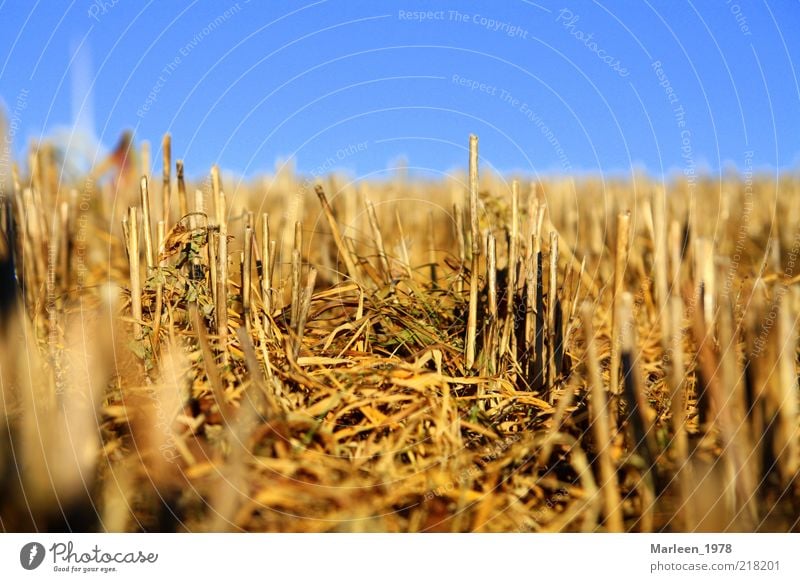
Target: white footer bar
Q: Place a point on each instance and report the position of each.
(379, 557)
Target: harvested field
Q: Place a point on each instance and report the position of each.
(482, 353)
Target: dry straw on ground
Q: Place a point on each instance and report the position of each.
(408, 355)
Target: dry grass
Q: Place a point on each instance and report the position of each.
(468, 355)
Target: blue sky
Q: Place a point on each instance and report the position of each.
(549, 87)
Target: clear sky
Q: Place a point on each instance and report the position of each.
(549, 87)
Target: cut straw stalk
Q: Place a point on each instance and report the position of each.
(266, 281)
(36, 235)
(377, 236)
(557, 420)
(571, 307)
(199, 203)
(733, 407)
(675, 255)
(609, 487)
(508, 340)
(710, 382)
(196, 265)
(50, 289)
(638, 410)
(344, 252)
(538, 328)
(160, 239)
(297, 265)
(222, 291)
(678, 398)
(126, 235)
(534, 267)
(148, 233)
(704, 275)
(458, 227)
(246, 273)
(209, 363)
(472, 319)
(553, 335)
(136, 286)
(298, 237)
(273, 253)
(786, 399)
(620, 264)
(473, 195)
(755, 379)
(660, 250)
(403, 246)
(216, 190)
(263, 399)
(304, 309)
(432, 250)
(491, 327)
(222, 277)
(536, 221)
(166, 190)
(491, 271)
(65, 247)
(183, 202)
(294, 308)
